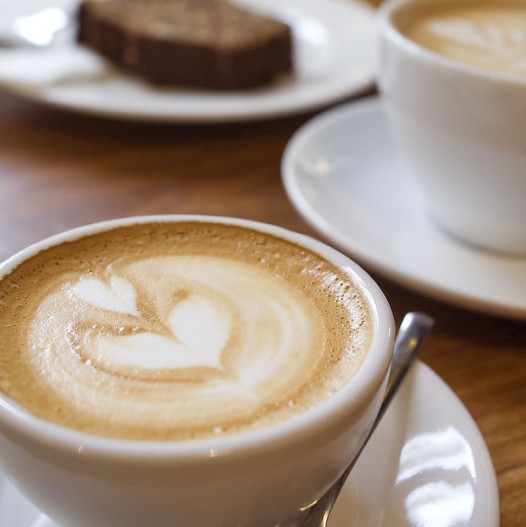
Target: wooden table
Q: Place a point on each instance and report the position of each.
(58, 171)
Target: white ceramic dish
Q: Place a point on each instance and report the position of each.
(344, 176)
(426, 466)
(334, 56)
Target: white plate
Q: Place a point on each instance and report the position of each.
(342, 173)
(426, 466)
(334, 57)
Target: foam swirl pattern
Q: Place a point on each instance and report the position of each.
(179, 344)
(490, 35)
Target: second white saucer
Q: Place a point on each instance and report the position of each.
(344, 176)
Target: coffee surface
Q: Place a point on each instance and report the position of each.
(178, 331)
(487, 34)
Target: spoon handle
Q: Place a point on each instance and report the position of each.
(411, 336)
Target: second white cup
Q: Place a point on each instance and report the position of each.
(461, 125)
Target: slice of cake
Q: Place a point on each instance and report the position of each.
(209, 44)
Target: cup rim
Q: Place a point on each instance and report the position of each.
(352, 398)
(389, 28)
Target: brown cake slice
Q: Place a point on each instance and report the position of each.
(199, 43)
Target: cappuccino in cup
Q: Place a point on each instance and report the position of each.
(452, 75)
(485, 34)
(178, 331)
(181, 371)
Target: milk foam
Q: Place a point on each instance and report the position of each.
(490, 35)
(180, 343)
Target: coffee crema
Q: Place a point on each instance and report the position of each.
(486, 34)
(178, 331)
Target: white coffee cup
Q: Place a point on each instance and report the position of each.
(257, 479)
(462, 131)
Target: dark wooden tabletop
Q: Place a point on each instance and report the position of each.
(60, 170)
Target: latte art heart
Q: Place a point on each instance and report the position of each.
(180, 340)
(176, 342)
(167, 323)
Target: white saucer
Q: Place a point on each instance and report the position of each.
(342, 173)
(426, 466)
(334, 57)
